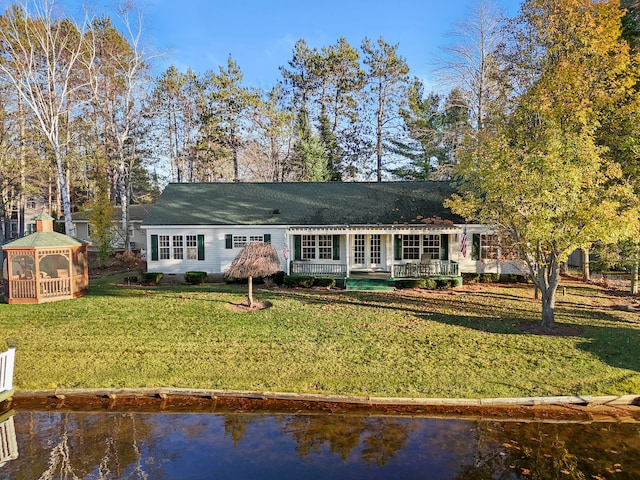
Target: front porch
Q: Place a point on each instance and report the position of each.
(431, 268)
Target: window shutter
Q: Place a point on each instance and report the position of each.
(475, 251)
(397, 247)
(297, 247)
(336, 247)
(228, 241)
(267, 238)
(444, 247)
(200, 247)
(154, 248)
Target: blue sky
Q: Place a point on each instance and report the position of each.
(260, 34)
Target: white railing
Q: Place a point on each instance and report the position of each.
(8, 442)
(7, 360)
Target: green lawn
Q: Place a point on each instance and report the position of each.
(468, 343)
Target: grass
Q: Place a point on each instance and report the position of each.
(468, 343)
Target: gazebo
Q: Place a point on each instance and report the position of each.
(45, 266)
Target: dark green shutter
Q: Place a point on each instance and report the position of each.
(154, 247)
(297, 247)
(200, 247)
(475, 250)
(228, 241)
(336, 247)
(444, 247)
(267, 238)
(397, 247)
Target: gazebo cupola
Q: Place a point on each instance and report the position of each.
(44, 266)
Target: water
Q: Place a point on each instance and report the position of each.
(122, 445)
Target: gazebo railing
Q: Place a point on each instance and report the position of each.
(22, 288)
(55, 287)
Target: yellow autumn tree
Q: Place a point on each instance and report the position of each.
(543, 175)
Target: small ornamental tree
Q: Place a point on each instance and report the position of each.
(256, 259)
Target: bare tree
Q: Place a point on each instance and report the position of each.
(117, 80)
(256, 259)
(470, 62)
(43, 57)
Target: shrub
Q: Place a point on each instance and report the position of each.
(489, 277)
(132, 261)
(430, 284)
(471, 277)
(152, 278)
(278, 277)
(325, 282)
(195, 278)
(411, 283)
(514, 278)
(304, 281)
(449, 282)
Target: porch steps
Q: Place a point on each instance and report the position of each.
(370, 284)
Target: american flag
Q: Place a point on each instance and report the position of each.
(463, 242)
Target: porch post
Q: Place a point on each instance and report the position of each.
(390, 258)
(347, 252)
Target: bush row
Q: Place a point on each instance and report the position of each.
(428, 283)
(494, 278)
(306, 281)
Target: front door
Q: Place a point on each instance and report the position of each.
(368, 251)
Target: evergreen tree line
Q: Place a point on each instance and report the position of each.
(82, 119)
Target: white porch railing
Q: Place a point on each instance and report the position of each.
(7, 361)
(319, 269)
(8, 442)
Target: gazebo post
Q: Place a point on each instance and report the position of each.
(36, 273)
(70, 270)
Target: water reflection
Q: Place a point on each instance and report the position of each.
(55, 444)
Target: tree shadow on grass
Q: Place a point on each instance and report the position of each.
(606, 332)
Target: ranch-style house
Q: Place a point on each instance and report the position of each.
(388, 229)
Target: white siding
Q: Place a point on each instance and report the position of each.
(217, 258)
(468, 265)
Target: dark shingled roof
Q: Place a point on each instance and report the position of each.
(331, 203)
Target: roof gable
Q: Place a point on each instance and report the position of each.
(330, 203)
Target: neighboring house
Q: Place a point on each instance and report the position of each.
(34, 205)
(393, 229)
(137, 236)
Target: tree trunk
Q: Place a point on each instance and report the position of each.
(634, 271)
(586, 273)
(64, 193)
(250, 295)
(548, 280)
(548, 309)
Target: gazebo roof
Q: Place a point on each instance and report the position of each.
(43, 239)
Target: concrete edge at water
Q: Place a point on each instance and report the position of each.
(165, 392)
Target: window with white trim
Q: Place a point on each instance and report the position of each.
(192, 247)
(325, 247)
(240, 241)
(431, 246)
(411, 247)
(489, 246)
(309, 247)
(164, 247)
(178, 250)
